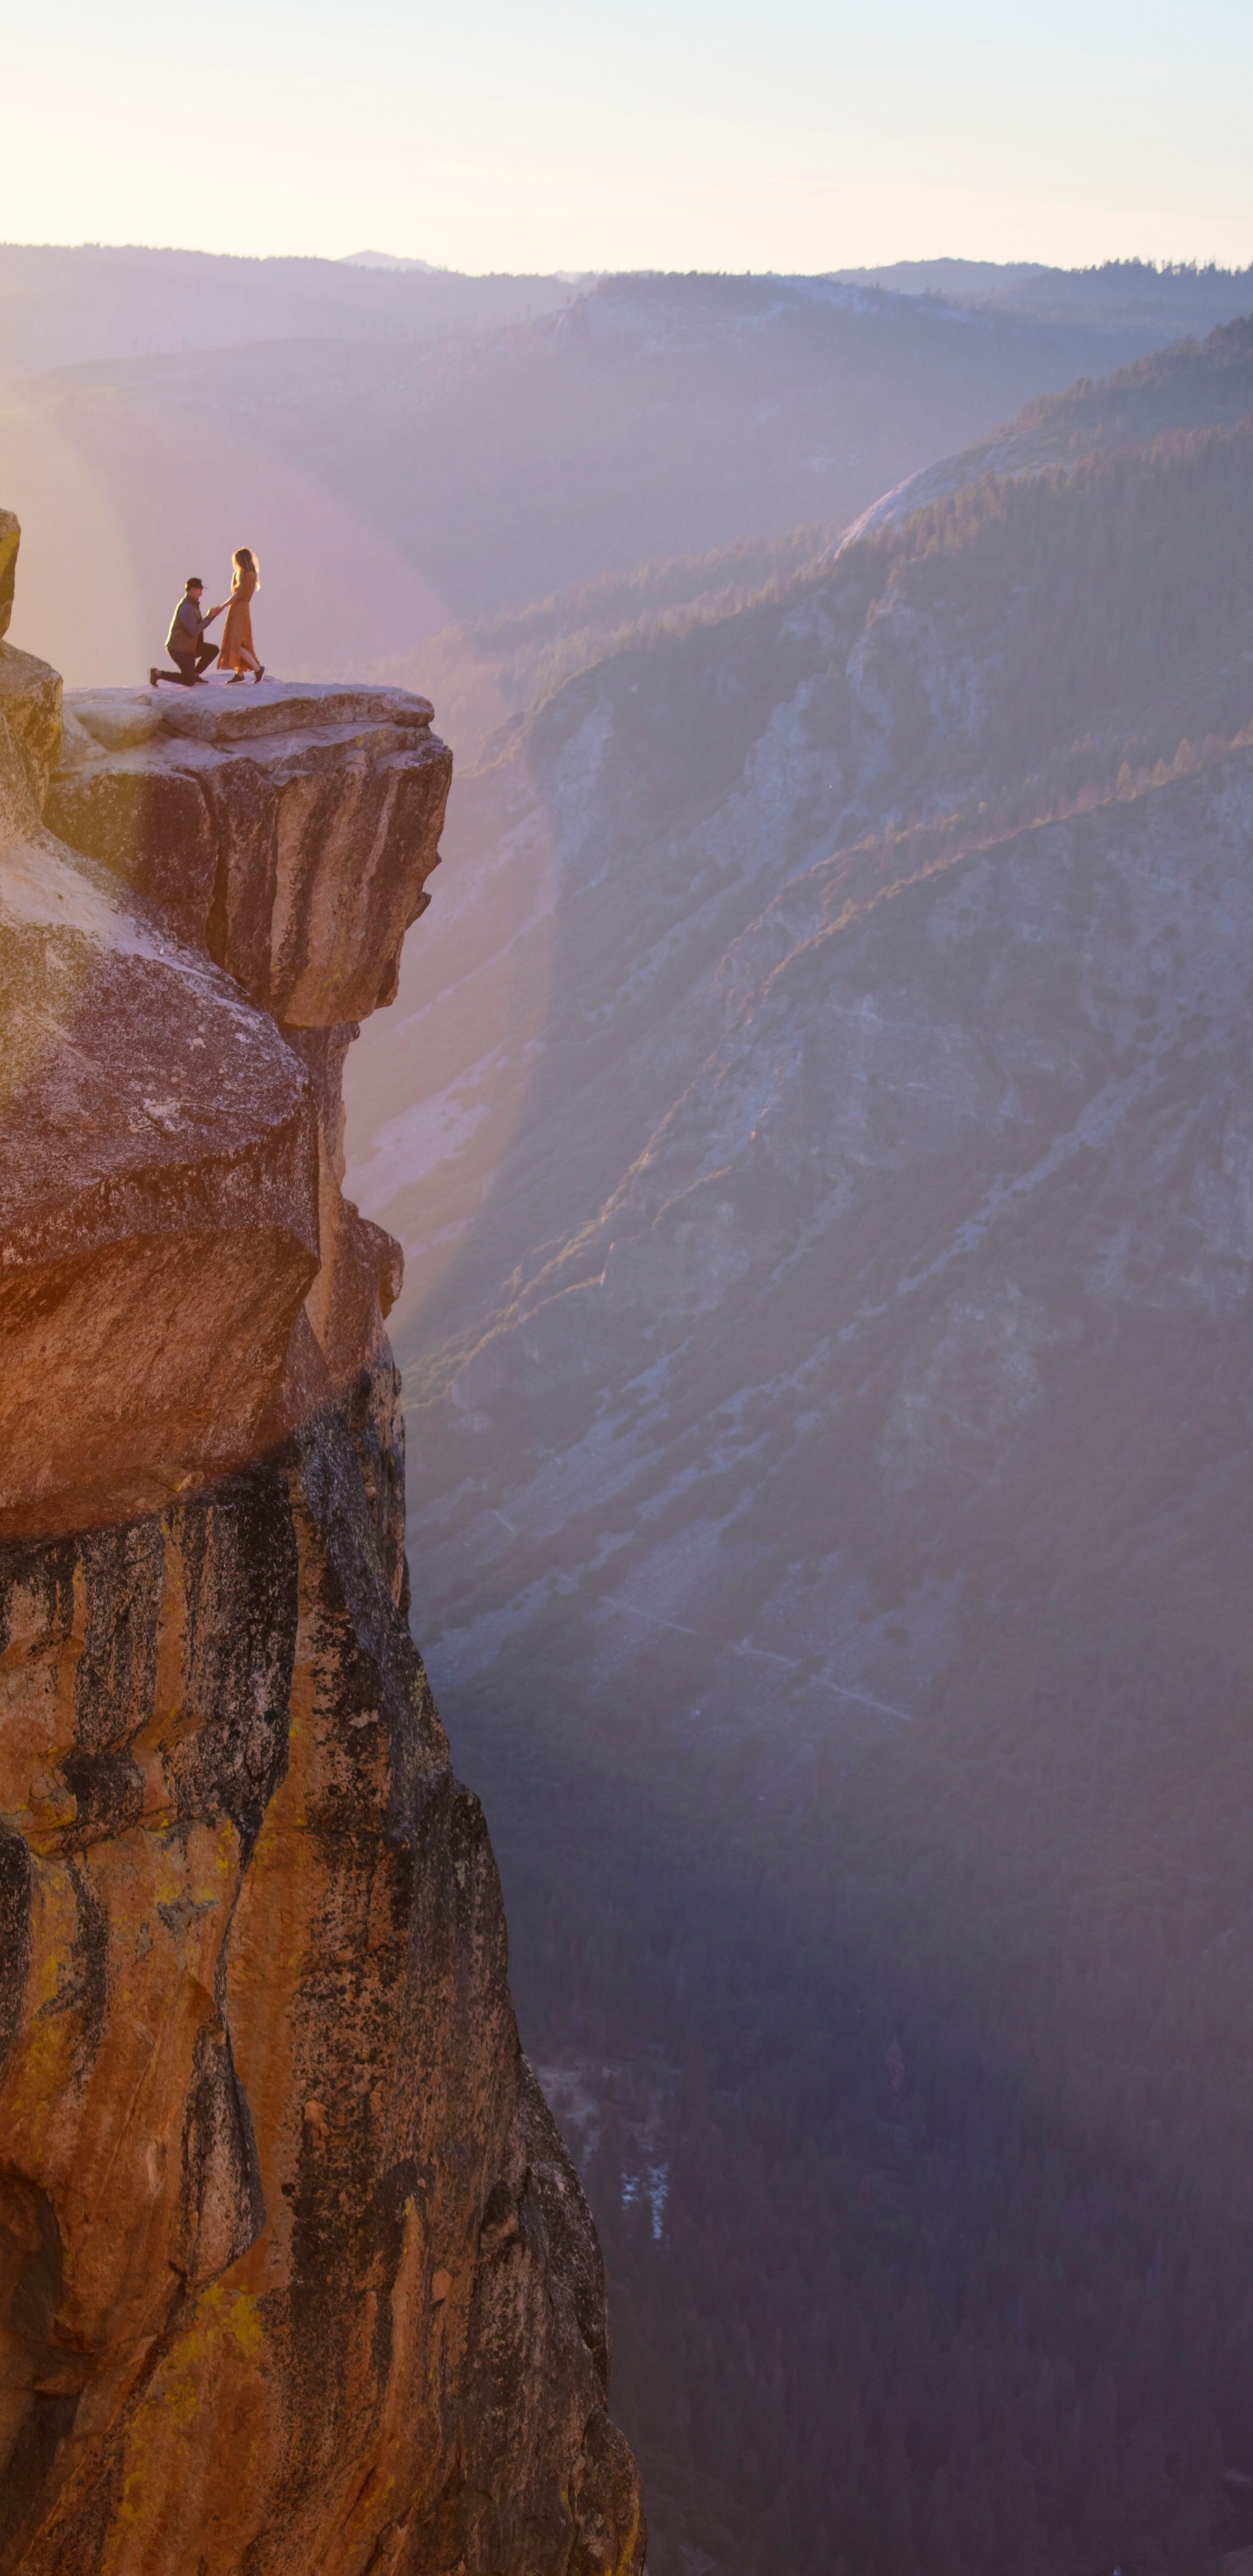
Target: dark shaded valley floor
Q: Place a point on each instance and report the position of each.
(920, 2127)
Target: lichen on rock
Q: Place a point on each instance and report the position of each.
(296, 2278)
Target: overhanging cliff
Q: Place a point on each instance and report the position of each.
(296, 2277)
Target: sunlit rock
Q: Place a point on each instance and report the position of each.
(295, 2259)
(295, 2274)
(158, 1185)
(293, 826)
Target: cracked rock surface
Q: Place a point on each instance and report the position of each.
(296, 2278)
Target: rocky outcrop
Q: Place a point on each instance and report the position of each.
(295, 2275)
(291, 838)
(177, 1260)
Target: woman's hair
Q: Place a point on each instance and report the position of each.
(244, 560)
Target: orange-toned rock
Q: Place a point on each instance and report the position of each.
(300, 2274)
(170, 1169)
(293, 826)
(9, 534)
(296, 2278)
(360, 1267)
(158, 1183)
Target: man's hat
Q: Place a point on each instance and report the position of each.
(193, 582)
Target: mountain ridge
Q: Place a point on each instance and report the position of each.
(648, 418)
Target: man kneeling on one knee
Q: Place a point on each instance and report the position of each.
(185, 642)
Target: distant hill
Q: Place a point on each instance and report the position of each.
(1133, 295)
(964, 281)
(385, 259)
(61, 307)
(394, 487)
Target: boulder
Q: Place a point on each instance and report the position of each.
(291, 826)
(158, 1187)
(176, 1253)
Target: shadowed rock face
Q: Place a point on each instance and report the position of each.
(295, 2275)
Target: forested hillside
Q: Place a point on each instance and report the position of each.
(1171, 297)
(828, 1400)
(1008, 654)
(492, 670)
(1180, 388)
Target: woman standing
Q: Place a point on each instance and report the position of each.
(237, 655)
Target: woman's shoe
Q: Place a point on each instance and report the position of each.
(260, 674)
(234, 680)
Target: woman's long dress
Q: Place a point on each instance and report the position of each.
(237, 632)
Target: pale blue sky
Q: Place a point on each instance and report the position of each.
(541, 134)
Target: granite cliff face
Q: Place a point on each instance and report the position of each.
(295, 2274)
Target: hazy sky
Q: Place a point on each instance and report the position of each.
(667, 133)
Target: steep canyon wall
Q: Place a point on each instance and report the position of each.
(296, 2278)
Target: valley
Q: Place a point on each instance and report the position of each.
(822, 1159)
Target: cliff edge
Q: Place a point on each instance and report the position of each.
(296, 2278)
